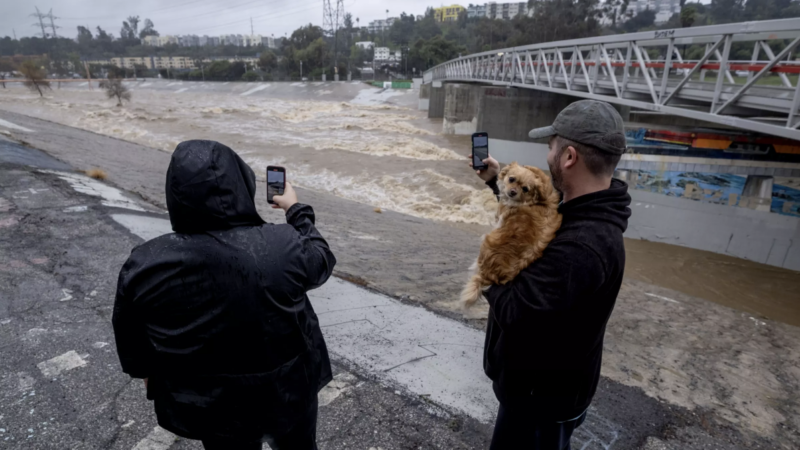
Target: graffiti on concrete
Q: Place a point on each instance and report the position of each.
(718, 188)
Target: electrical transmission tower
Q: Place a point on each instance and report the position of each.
(38, 14)
(332, 19)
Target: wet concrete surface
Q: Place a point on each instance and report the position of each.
(422, 262)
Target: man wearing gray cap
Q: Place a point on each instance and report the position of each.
(544, 337)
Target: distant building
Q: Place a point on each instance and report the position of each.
(268, 42)
(384, 54)
(492, 10)
(191, 40)
(448, 13)
(379, 26)
(664, 9)
(160, 41)
(252, 40)
(365, 44)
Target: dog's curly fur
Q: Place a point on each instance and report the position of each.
(527, 220)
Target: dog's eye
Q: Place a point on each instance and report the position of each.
(525, 189)
(512, 179)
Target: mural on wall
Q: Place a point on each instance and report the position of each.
(719, 188)
(760, 192)
(707, 143)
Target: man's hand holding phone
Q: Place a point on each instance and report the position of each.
(492, 168)
(285, 201)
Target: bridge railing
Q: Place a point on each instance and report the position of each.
(648, 71)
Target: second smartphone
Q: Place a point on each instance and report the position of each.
(480, 150)
(276, 182)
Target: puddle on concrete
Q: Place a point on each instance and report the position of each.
(754, 288)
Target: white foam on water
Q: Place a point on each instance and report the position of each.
(375, 97)
(297, 84)
(146, 84)
(255, 89)
(181, 90)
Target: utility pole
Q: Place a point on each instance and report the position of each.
(251, 27)
(15, 33)
(40, 16)
(52, 23)
(332, 21)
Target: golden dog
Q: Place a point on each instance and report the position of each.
(527, 220)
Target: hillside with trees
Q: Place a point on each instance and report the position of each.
(424, 42)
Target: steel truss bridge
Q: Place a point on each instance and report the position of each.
(761, 94)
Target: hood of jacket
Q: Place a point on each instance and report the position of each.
(209, 188)
(610, 205)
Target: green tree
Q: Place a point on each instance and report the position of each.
(115, 89)
(130, 28)
(148, 29)
(688, 14)
(268, 61)
(34, 76)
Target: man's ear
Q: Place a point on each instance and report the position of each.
(572, 157)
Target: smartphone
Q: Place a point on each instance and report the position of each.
(276, 182)
(480, 150)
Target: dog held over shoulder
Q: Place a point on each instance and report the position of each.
(527, 220)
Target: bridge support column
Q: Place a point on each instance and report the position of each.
(461, 108)
(424, 97)
(436, 103)
(510, 113)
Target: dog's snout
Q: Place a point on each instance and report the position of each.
(512, 193)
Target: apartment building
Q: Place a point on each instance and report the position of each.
(379, 26)
(448, 13)
(493, 10)
(384, 54)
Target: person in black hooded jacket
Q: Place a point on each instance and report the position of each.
(544, 336)
(215, 316)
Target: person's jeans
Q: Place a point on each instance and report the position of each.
(516, 430)
(303, 436)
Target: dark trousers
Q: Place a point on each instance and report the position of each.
(303, 436)
(516, 430)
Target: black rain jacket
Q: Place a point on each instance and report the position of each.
(544, 337)
(216, 314)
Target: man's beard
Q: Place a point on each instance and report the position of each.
(556, 175)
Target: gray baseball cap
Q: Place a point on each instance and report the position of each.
(588, 122)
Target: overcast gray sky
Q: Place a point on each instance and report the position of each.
(211, 17)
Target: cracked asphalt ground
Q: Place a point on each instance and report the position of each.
(91, 404)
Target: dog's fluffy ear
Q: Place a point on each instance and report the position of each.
(505, 170)
(546, 185)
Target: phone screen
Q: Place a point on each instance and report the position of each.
(275, 183)
(480, 151)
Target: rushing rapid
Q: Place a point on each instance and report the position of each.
(349, 139)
